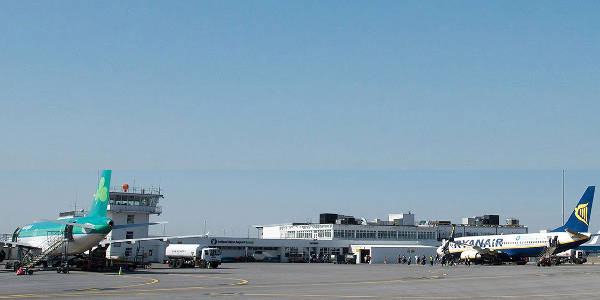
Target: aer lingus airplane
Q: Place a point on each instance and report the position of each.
(518, 247)
(43, 241)
(83, 233)
(51, 238)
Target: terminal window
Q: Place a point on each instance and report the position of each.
(130, 219)
(129, 235)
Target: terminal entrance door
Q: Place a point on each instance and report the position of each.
(363, 255)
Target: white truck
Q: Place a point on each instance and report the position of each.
(192, 255)
(572, 256)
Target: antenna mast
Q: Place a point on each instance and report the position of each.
(563, 196)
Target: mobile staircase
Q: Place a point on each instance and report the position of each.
(52, 243)
(547, 257)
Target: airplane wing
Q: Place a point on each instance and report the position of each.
(86, 225)
(483, 250)
(157, 238)
(137, 224)
(595, 239)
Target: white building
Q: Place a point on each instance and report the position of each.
(347, 232)
(133, 206)
(399, 227)
(340, 235)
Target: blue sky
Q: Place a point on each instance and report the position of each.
(299, 90)
(231, 201)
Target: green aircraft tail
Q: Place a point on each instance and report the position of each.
(101, 197)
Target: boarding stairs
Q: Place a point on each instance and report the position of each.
(551, 248)
(549, 251)
(52, 243)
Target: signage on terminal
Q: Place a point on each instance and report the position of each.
(234, 242)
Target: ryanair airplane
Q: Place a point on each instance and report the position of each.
(519, 247)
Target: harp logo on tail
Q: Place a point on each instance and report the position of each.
(581, 212)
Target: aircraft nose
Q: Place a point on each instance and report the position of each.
(439, 250)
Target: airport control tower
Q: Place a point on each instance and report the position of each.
(131, 205)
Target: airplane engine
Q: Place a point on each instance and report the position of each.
(470, 254)
(443, 249)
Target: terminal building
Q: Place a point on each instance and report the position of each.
(334, 234)
(398, 227)
(341, 234)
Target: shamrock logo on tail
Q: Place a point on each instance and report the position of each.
(102, 192)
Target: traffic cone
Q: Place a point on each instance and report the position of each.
(120, 270)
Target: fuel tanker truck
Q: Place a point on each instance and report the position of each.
(192, 255)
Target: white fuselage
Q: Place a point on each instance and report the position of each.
(80, 243)
(524, 245)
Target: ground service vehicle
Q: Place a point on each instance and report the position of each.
(192, 255)
(572, 256)
(350, 259)
(297, 257)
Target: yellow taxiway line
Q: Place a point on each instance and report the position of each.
(243, 283)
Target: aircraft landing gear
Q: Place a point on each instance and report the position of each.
(63, 269)
(16, 266)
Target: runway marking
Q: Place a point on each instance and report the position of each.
(241, 280)
(88, 291)
(98, 292)
(408, 297)
(152, 281)
(242, 284)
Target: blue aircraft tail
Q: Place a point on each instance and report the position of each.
(579, 220)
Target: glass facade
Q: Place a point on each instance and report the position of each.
(134, 199)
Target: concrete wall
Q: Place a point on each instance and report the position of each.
(379, 254)
(271, 232)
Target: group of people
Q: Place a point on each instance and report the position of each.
(423, 260)
(319, 258)
(420, 260)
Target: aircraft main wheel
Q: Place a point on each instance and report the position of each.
(30, 272)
